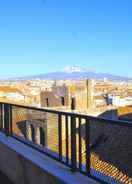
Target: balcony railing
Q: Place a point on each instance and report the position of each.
(97, 147)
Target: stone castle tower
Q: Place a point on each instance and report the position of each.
(90, 92)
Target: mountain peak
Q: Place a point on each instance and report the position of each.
(72, 69)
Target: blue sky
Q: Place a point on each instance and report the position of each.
(40, 36)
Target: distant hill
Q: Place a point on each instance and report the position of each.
(73, 73)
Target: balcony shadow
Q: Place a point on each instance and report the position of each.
(112, 143)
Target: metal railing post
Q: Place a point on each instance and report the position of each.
(73, 145)
(87, 142)
(67, 138)
(8, 119)
(60, 136)
(80, 144)
(1, 116)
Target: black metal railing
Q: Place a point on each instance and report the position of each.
(97, 147)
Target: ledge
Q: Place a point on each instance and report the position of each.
(25, 165)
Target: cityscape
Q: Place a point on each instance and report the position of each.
(65, 92)
(110, 99)
(92, 96)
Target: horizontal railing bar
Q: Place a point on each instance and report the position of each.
(77, 115)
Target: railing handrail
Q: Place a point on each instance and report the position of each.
(73, 113)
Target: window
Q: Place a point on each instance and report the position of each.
(47, 102)
(73, 103)
(62, 101)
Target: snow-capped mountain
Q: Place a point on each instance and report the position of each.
(74, 73)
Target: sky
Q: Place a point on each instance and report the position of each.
(41, 36)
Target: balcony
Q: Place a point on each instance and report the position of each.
(83, 148)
